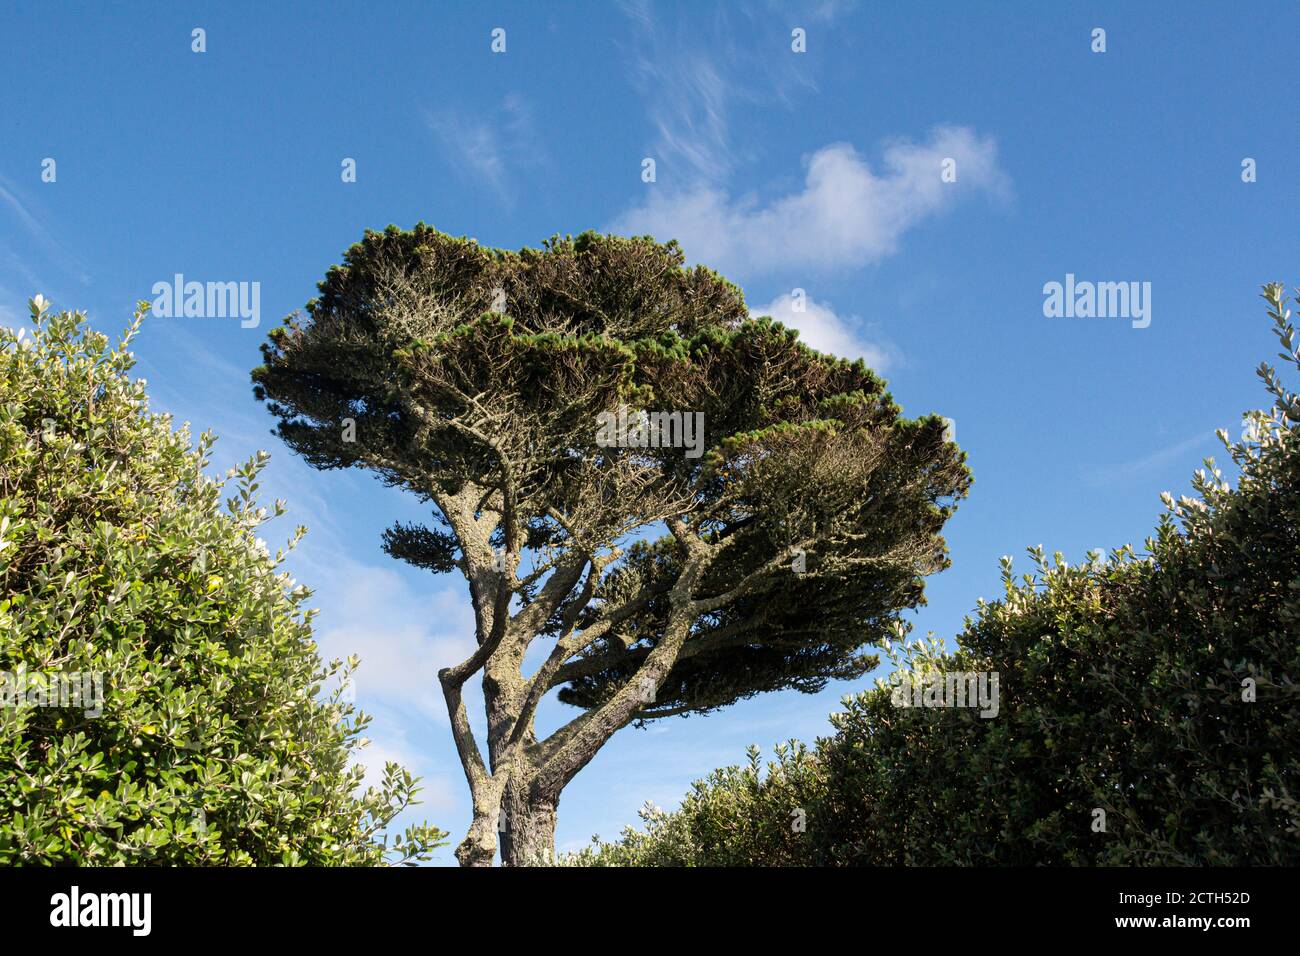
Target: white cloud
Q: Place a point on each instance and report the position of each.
(820, 328)
(846, 215)
(403, 639)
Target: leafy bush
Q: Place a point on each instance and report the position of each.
(1158, 689)
(737, 816)
(209, 744)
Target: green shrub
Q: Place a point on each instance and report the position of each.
(1125, 688)
(209, 744)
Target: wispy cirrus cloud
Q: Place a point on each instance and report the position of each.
(1145, 465)
(693, 75)
(24, 212)
(489, 148)
(10, 316)
(687, 97)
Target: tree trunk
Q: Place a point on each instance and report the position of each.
(529, 836)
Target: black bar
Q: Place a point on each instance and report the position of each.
(377, 906)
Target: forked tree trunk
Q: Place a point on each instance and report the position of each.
(517, 796)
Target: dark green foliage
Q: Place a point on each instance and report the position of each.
(403, 340)
(1124, 686)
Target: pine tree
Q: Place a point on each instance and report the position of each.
(663, 579)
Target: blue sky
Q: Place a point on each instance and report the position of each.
(814, 170)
